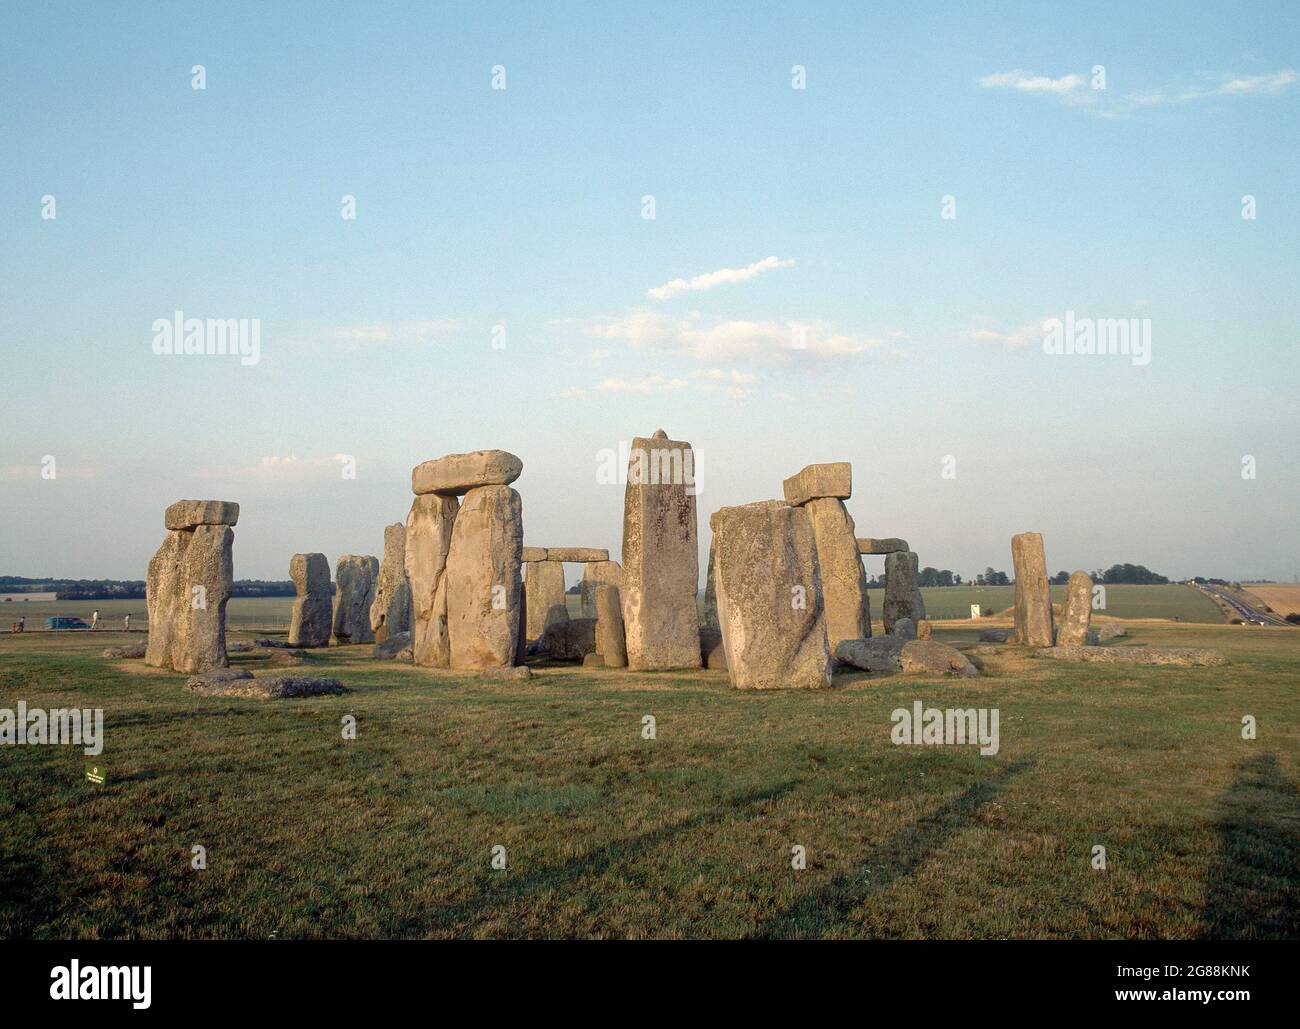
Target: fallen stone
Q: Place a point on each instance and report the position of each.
(885, 546)
(924, 630)
(240, 647)
(190, 514)
(533, 554)
(1110, 631)
(819, 480)
(547, 604)
(312, 619)
(904, 628)
(576, 555)
(134, 650)
(214, 678)
(1076, 612)
(661, 569)
(1033, 607)
(770, 607)
(572, 640)
(929, 657)
(594, 575)
(483, 582)
(457, 474)
(272, 688)
(512, 672)
(998, 636)
(877, 654)
(275, 644)
(611, 641)
(844, 583)
(1185, 656)
(428, 540)
(355, 576)
(593, 660)
(390, 611)
(190, 579)
(396, 647)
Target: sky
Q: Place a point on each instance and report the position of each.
(785, 233)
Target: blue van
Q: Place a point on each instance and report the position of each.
(65, 622)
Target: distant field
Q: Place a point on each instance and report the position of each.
(1282, 597)
(1171, 601)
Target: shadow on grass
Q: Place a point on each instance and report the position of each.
(1253, 888)
(883, 865)
(459, 917)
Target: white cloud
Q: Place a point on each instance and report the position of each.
(571, 393)
(277, 467)
(1026, 82)
(1026, 336)
(1235, 85)
(648, 384)
(761, 341)
(399, 333)
(720, 277)
(726, 375)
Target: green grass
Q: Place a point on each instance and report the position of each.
(687, 835)
(1171, 601)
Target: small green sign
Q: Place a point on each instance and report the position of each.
(95, 774)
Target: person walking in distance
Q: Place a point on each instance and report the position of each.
(126, 623)
(94, 619)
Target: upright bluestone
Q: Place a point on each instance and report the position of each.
(1035, 625)
(313, 608)
(661, 564)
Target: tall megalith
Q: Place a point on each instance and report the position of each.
(313, 608)
(1034, 622)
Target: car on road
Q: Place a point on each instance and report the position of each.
(65, 622)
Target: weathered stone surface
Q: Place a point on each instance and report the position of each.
(710, 617)
(1033, 609)
(428, 541)
(1187, 656)
(660, 556)
(998, 636)
(483, 581)
(272, 688)
(610, 639)
(571, 640)
(892, 545)
(593, 660)
(395, 647)
(594, 575)
(391, 610)
(533, 554)
(902, 595)
(355, 576)
(878, 654)
(214, 680)
(928, 657)
(547, 605)
(712, 649)
(769, 597)
(820, 480)
(904, 628)
(240, 647)
(190, 579)
(457, 474)
(844, 583)
(190, 514)
(274, 644)
(312, 620)
(578, 555)
(1077, 611)
(134, 650)
(509, 673)
(924, 630)
(1110, 631)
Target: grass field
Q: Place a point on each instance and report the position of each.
(686, 835)
(1282, 597)
(1171, 601)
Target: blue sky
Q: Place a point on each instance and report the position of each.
(479, 207)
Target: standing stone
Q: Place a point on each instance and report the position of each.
(356, 576)
(905, 628)
(902, 595)
(610, 641)
(844, 583)
(190, 579)
(769, 597)
(544, 584)
(428, 539)
(1034, 623)
(313, 613)
(483, 582)
(1077, 614)
(594, 575)
(661, 562)
(391, 610)
(710, 620)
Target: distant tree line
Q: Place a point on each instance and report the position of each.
(129, 589)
